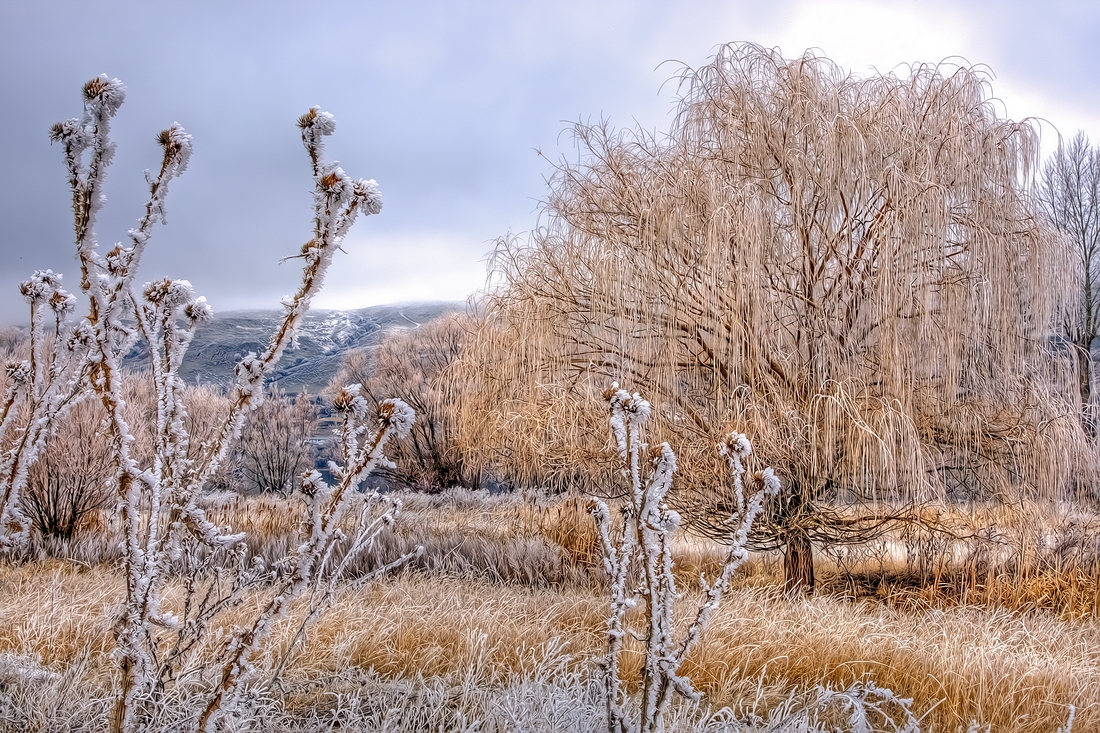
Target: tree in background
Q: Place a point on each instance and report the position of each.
(845, 268)
(414, 364)
(1069, 198)
(275, 448)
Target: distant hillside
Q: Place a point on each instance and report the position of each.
(323, 338)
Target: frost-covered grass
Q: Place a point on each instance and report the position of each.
(550, 695)
(442, 645)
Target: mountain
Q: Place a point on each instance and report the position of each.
(323, 338)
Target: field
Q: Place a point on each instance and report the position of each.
(496, 626)
(853, 280)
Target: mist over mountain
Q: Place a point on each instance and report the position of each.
(323, 338)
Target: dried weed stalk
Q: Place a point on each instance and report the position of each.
(642, 547)
(164, 527)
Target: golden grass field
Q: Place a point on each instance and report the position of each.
(507, 604)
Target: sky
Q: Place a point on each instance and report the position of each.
(458, 109)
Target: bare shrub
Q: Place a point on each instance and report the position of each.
(414, 364)
(275, 447)
(13, 344)
(70, 482)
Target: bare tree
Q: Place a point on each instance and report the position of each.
(274, 449)
(845, 268)
(414, 364)
(1069, 198)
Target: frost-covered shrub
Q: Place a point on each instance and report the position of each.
(159, 486)
(641, 546)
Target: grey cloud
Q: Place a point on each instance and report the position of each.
(442, 103)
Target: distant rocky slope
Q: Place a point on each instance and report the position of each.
(323, 338)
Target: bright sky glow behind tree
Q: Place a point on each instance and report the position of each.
(443, 103)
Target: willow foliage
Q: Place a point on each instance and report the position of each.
(846, 268)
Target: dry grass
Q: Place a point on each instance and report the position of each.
(1004, 634)
(1012, 671)
(1017, 557)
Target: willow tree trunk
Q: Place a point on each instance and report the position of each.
(798, 551)
(798, 564)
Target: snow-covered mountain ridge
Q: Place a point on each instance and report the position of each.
(323, 338)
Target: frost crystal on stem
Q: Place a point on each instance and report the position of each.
(642, 546)
(165, 528)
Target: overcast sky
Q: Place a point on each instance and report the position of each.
(444, 104)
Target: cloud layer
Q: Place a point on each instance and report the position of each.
(445, 104)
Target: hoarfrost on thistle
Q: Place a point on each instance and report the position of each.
(643, 542)
(164, 526)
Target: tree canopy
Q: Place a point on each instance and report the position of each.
(847, 269)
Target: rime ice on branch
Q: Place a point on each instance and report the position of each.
(642, 544)
(40, 392)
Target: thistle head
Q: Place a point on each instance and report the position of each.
(168, 294)
(349, 401)
(632, 407)
(334, 184)
(316, 122)
(198, 310)
(735, 445)
(397, 416)
(18, 371)
(118, 260)
(70, 133)
(370, 198)
(40, 286)
(312, 484)
(82, 336)
(177, 147)
(62, 302)
(104, 95)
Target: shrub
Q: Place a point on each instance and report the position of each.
(275, 446)
(70, 482)
(414, 364)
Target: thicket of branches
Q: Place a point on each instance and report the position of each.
(846, 268)
(414, 364)
(276, 445)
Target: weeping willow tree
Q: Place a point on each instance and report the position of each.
(846, 269)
